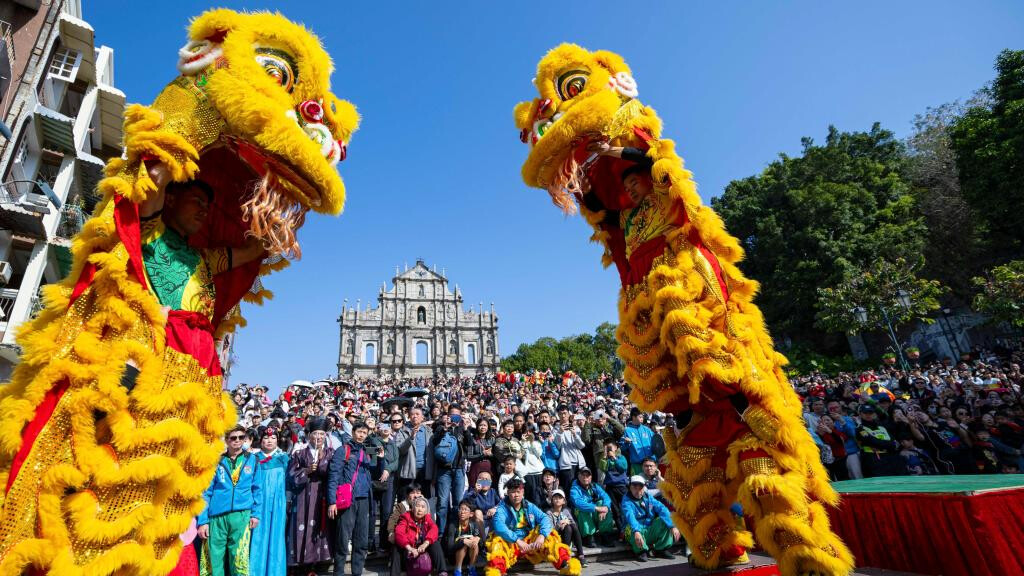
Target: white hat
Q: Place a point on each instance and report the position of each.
(638, 479)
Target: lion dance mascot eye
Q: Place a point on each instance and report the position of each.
(692, 340)
(112, 424)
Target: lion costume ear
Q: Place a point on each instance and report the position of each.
(524, 113)
(214, 25)
(610, 61)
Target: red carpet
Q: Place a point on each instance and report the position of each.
(948, 525)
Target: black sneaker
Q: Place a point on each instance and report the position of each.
(664, 554)
(642, 556)
(588, 541)
(583, 560)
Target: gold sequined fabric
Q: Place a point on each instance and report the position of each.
(112, 504)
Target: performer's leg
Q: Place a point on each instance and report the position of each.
(793, 530)
(437, 557)
(695, 483)
(631, 540)
(587, 523)
(658, 536)
(606, 527)
(238, 523)
(218, 544)
(501, 556)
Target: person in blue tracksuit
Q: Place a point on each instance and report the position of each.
(234, 500)
(593, 509)
(353, 463)
(637, 441)
(648, 523)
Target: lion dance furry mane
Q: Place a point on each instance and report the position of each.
(693, 341)
(105, 478)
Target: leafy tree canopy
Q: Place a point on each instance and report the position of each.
(586, 354)
(988, 140)
(813, 220)
(1002, 294)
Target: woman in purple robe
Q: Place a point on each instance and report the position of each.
(310, 531)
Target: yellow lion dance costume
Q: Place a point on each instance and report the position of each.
(101, 478)
(693, 342)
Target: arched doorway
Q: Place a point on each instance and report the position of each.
(422, 352)
(370, 354)
(471, 354)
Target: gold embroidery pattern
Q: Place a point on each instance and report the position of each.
(764, 465)
(51, 448)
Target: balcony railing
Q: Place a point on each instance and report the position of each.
(72, 217)
(7, 298)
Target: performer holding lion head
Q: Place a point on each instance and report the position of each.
(692, 340)
(111, 427)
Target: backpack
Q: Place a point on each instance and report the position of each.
(657, 445)
(447, 449)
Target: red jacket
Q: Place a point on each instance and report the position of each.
(408, 531)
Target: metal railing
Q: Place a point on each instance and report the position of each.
(7, 298)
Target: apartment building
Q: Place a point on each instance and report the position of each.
(63, 119)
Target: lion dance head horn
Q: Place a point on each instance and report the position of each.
(268, 79)
(582, 97)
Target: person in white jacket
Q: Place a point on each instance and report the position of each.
(569, 438)
(531, 465)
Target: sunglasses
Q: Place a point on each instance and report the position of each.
(233, 438)
(398, 421)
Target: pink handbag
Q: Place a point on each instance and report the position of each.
(343, 496)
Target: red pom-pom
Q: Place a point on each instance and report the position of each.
(311, 111)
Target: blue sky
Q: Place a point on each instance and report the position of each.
(434, 170)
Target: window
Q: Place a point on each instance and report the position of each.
(390, 347)
(421, 315)
(350, 347)
(423, 292)
(471, 354)
(64, 65)
(370, 354)
(422, 352)
(490, 346)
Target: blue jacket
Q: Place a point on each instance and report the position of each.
(848, 427)
(616, 471)
(549, 454)
(588, 500)
(639, 446)
(638, 514)
(223, 496)
(342, 470)
(483, 502)
(506, 520)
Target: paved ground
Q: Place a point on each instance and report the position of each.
(625, 565)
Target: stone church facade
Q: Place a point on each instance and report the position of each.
(419, 328)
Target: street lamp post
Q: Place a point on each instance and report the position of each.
(860, 314)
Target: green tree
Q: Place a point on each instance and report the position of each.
(871, 298)
(1002, 294)
(586, 354)
(881, 297)
(815, 219)
(951, 251)
(989, 144)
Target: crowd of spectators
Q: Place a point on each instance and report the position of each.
(939, 417)
(422, 472)
(436, 466)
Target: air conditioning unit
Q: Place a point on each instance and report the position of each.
(5, 272)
